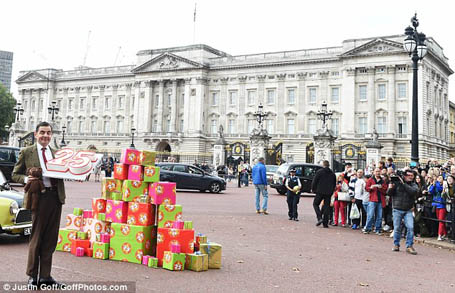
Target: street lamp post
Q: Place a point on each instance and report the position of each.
(53, 110)
(414, 44)
(323, 114)
(18, 111)
(63, 143)
(132, 137)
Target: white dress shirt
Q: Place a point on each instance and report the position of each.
(46, 180)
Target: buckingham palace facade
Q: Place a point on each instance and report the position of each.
(178, 97)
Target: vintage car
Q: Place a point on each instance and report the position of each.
(14, 219)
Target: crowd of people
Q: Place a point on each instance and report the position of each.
(388, 200)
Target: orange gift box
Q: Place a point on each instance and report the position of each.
(141, 214)
(80, 243)
(98, 206)
(121, 171)
(167, 236)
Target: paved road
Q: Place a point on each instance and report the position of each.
(261, 253)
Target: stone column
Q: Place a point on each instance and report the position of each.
(174, 107)
(159, 126)
(280, 104)
(301, 102)
(146, 115)
(187, 106)
(137, 98)
(371, 100)
(242, 105)
(100, 125)
(258, 144)
(349, 100)
(223, 100)
(391, 100)
(219, 153)
(199, 106)
(323, 145)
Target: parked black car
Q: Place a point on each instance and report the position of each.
(304, 171)
(190, 177)
(8, 158)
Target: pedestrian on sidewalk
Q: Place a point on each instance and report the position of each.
(377, 188)
(293, 186)
(403, 192)
(324, 183)
(260, 185)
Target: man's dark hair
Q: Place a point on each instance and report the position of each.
(390, 159)
(349, 164)
(409, 171)
(325, 163)
(43, 124)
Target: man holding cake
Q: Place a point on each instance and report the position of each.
(46, 217)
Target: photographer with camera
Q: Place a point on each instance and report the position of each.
(403, 191)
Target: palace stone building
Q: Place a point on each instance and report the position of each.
(177, 98)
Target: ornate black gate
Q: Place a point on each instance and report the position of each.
(309, 150)
(274, 154)
(348, 153)
(27, 139)
(237, 152)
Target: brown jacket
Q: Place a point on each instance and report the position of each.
(28, 158)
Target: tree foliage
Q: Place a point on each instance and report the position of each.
(7, 103)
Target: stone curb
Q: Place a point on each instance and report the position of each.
(435, 243)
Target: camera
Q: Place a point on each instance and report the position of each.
(395, 178)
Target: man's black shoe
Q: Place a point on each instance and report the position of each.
(50, 282)
(295, 219)
(32, 281)
(291, 218)
(319, 223)
(326, 226)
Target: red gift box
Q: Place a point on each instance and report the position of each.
(80, 243)
(141, 214)
(98, 206)
(167, 236)
(121, 171)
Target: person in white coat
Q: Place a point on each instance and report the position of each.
(360, 196)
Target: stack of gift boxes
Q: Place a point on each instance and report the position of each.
(137, 220)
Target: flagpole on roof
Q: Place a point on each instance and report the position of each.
(194, 24)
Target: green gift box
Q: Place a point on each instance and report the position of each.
(100, 250)
(152, 262)
(116, 196)
(197, 262)
(130, 242)
(101, 216)
(213, 250)
(132, 190)
(109, 186)
(78, 211)
(174, 261)
(188, 225)
(167, 214)
(151, 174)
(147, 158)
(81, 235)
(65, 237)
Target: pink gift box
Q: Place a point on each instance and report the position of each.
(116, 211)
(105, 238)
(130, 157)
(87, 214)
(79, 251)
(135, 172)
(145, 259)
(162, 193)
(178, 225)
(175, 248)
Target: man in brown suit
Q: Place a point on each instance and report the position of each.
(46, 218)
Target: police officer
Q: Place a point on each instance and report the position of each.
(293, 194)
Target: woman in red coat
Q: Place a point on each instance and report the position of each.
(377, 187)
(340, 206)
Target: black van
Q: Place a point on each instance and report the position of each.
(8, 158)
(304, 171)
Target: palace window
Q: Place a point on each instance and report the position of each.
(312, 95)
(335, 95)
(214, 98)
(231, 126)
(270, 96)
(250, 125)
(107, 102)
(381, 92)
(362, 126)
(69, 126)
(232, 98)
(270, 126)
(119, 126)
(93, 126)
(382, 125)
(312, 126)
(121, 102)
(402, 126)
(82, 103)
(362, 93)
(291, 96)
(335, 126)
(401, 91)
(291, 126)
(157, 101)
(251, 97)
(70, 104)
(214, 127)
(80, 127)
(94, 103)
(107, 127)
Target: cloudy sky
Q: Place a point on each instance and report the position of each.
(55, 33)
